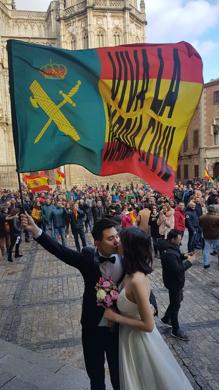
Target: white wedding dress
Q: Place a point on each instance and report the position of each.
(146, 363)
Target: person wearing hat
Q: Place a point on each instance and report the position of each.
(210, 225)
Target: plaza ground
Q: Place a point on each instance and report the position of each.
(40, 307)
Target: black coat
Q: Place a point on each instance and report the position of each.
(87, 263)
(2, 225)
(192, 220)
(77, 224)
(174, 265)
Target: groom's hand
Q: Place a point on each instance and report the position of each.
(28, 224)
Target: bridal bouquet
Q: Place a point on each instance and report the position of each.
(106, 292)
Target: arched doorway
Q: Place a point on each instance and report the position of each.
(216, 170)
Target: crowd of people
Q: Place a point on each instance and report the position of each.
(129, 226)
(60, 213)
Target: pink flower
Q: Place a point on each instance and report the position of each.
(101, 280)
(106, 284)
(108, 300)
(114, 294)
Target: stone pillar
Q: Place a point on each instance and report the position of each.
(61, 24)
(108, 30)
(143, 10)
(67, 170)
(127, 10)
(142, 6)
(90, 24)
(54, 17)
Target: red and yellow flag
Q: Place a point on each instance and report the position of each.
(150, 93)
(37, 183)
(207, 176)
(59, 177)
(123, 109)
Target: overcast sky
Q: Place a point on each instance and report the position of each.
(194, 21)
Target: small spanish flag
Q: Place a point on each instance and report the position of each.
(59, 176)
(207, 176)
(37, 183)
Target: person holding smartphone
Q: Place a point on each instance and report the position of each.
(174, 265)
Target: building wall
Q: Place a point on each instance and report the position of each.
(211, 128)
(189, 156)
(71, 24)
(205, 120)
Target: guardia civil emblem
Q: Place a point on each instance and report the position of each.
(41, 99)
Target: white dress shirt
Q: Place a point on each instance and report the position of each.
(113, 270)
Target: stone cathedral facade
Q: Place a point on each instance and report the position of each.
(70, 24)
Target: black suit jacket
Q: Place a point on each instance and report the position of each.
(174, 265)
(86, 263)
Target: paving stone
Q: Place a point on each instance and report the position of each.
(70, 376)
(41, 306)
(29, 372)
(5, 377)
(29, 356)
(18, 384)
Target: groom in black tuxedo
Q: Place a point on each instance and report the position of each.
(104, 260)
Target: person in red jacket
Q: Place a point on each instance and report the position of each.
(179, 218)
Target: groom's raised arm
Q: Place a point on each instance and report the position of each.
(63, 253)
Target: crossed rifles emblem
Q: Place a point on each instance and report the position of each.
(53, 110)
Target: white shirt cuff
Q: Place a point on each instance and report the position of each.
(38, 234)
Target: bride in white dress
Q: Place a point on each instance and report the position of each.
(146, 363)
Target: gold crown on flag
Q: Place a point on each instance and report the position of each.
(54, 71)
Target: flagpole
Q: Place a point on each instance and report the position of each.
(13, 116)
(20, 190)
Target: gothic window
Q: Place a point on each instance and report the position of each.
(216, 131)
(117, 38)
(216, 170)
(216, 138)
(195, 139)
(73, 43)
(216, 97)
(185, 145)
(85, 40)
(100, 38)
(179, 172)
(186, 171)
(196, 171)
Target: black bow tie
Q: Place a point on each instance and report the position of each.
(111, 259)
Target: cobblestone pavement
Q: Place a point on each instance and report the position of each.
(40, 306)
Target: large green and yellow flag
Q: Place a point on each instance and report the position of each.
(111, 110)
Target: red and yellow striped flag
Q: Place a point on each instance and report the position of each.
(37, 183)
(207, 176)
(59, 177)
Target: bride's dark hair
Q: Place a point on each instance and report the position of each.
(137, 251)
